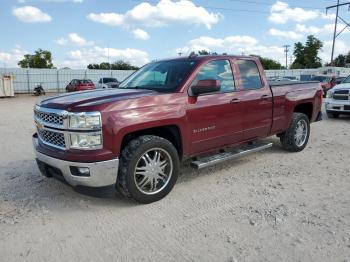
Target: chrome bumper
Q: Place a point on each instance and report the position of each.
(102, 173)
(337, 105)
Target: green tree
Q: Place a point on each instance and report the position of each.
(40, 59)
(340, 60)
(306, 56)
(269, 64)
(347, 59)
(119, 65)
(203, 52)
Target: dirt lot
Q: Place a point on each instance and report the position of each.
(270, 206)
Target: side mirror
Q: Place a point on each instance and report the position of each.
(206, 86)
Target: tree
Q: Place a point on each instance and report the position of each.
(40, 59)
(119, 65)
(203, 52)
(270, 64)
(340, 60)
(306, 56)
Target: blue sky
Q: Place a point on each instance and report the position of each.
(78, 32)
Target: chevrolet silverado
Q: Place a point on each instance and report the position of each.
(206, 109)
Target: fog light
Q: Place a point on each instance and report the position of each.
(80, 171)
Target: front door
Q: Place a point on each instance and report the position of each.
(214, 118)
(256, 100)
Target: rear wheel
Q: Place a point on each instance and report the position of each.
(332, 115)
(148, 170)
(296, 137)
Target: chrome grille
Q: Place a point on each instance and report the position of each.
(52, 138)
(50, 118)
(341, 95)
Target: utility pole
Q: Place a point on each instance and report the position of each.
(336, 34)
(286, 50)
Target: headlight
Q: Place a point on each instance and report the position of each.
(85, 141)
(329, 94)
(88, 120)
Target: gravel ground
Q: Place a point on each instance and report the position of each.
(269, 206)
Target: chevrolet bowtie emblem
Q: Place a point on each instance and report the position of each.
(39, 125)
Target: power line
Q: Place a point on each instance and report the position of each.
(335, 34)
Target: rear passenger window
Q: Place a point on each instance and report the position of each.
(217, 70)
(250, 75)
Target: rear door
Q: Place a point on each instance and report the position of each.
(256, 100)
(214, 118)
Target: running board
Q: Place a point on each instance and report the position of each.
(230, 154)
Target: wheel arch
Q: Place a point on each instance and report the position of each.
(171, 133)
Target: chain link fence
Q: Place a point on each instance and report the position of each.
(56, 80)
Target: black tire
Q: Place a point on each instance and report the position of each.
(288, 137)
(130, 156)
(332, 115)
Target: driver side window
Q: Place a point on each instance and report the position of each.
(217, 70)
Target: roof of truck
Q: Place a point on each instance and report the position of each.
(205, 57)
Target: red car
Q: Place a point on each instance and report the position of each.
(205, 109)
(80, 85)
(327, 82)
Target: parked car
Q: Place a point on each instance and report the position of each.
(80, 85)
(339, 80)
(108, 82)
(195, 108)
(327, 82)
(338, 99)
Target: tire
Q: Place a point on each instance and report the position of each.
(332, 115)
(138, 186)
(293, 141)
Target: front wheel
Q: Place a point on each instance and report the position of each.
(296, 137)
(148, 169)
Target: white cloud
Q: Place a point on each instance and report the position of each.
(80, 58)
(214, 44)
(281, 13)
(31, 14)
(140, 34)
(11, 58)
(235, 44)
(74, 39)
(161, 14)
(285, 34)
(326, 29)
(340, 48)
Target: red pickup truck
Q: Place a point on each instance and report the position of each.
(204, 108)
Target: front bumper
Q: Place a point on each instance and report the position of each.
(340, 106)
(101, 174)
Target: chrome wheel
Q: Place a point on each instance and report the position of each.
(153, 171)
(301, 133)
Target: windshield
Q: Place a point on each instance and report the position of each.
(347, 80)
(322, 79)
(109, 80)
(163, 76)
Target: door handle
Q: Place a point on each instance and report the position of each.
(265, 97)
(235, 101)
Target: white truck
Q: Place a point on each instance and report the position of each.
(108, 82)
(338, 99)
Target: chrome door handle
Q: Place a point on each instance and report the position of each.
(235, 101)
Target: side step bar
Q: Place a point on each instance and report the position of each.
(230, 154)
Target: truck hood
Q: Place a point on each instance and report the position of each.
(69, 101)
(342, 86)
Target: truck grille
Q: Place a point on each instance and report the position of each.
(52, 138)
(49, 118)
(341, 95)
